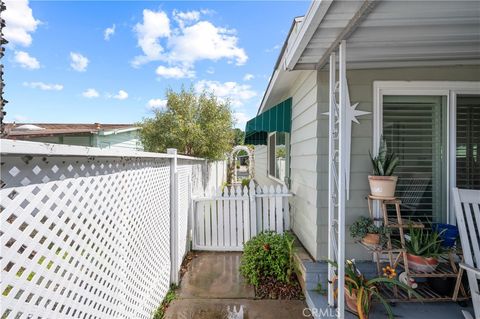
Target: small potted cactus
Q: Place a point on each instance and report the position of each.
(382, 183)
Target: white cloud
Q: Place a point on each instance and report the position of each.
(90, 93)
(191, 40)
(19, 22)
(210, 70)
(240, 119)
(237, 93)
(248, 77)
(155, 25)
(109, 32)
(79, 62)
(121, 95)
(204, 41)
(175, 72)
(185, 17)
(44, 86)
(26, 61)
(156, 104)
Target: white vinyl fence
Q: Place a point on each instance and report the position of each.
(91, 233)
(227, 219)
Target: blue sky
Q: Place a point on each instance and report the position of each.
(111, 61)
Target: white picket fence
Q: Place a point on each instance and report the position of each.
(227, 219)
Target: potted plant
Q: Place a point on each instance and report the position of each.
(365, 229)
(382, 183)
(423, 249)
(359, 291)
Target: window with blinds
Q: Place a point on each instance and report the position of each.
(468, 141)
(415, 129)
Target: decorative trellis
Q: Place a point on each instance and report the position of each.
(88, 237)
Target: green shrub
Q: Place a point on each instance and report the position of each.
(268, 255)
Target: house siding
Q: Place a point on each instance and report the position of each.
(125, 140)
(303, 159)
(360, 84)
(260, 166)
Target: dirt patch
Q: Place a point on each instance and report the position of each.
(186, 262)
(270, 288)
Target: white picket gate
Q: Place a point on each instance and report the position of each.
(227, 219)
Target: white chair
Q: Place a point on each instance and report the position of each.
(467, 210)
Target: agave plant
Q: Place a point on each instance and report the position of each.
(384, 164)
(424, 243)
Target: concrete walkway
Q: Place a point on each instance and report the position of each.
(212, 285)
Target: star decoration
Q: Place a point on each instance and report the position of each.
(351, 116)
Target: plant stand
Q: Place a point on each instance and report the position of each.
(396, 256)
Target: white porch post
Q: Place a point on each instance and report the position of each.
(331, 178)
(342, 152)
(174, 272)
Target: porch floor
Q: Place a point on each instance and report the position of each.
(212, 285)
(436, 310)
(314, 272)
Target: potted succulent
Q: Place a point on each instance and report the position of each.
(423, 249)
(360, 291)
(365, 229)
(382, 183)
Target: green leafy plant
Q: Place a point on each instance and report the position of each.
(245, 182)
(268, 254)
(424, 243)
(364, 290)
(365, 225)
(169, 297)
(384, 164)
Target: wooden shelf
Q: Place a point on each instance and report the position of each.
(382, 249)
(444, 269)
(406, 223)
(397, 258)
(423, 289)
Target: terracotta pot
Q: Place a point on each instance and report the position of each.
(371, 239)
(351, 300)
(382, 186)
(422, 264)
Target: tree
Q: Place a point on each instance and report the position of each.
(195, 124)
(239, 136)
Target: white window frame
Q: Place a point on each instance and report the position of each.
(450, 89)
(273, 177)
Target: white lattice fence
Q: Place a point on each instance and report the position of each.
(86, 237)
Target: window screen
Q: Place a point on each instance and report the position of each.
(415, 129)
(468, 141)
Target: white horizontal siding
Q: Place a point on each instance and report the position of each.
(261, 166)
(304, 159)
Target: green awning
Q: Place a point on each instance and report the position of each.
(275, 119)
